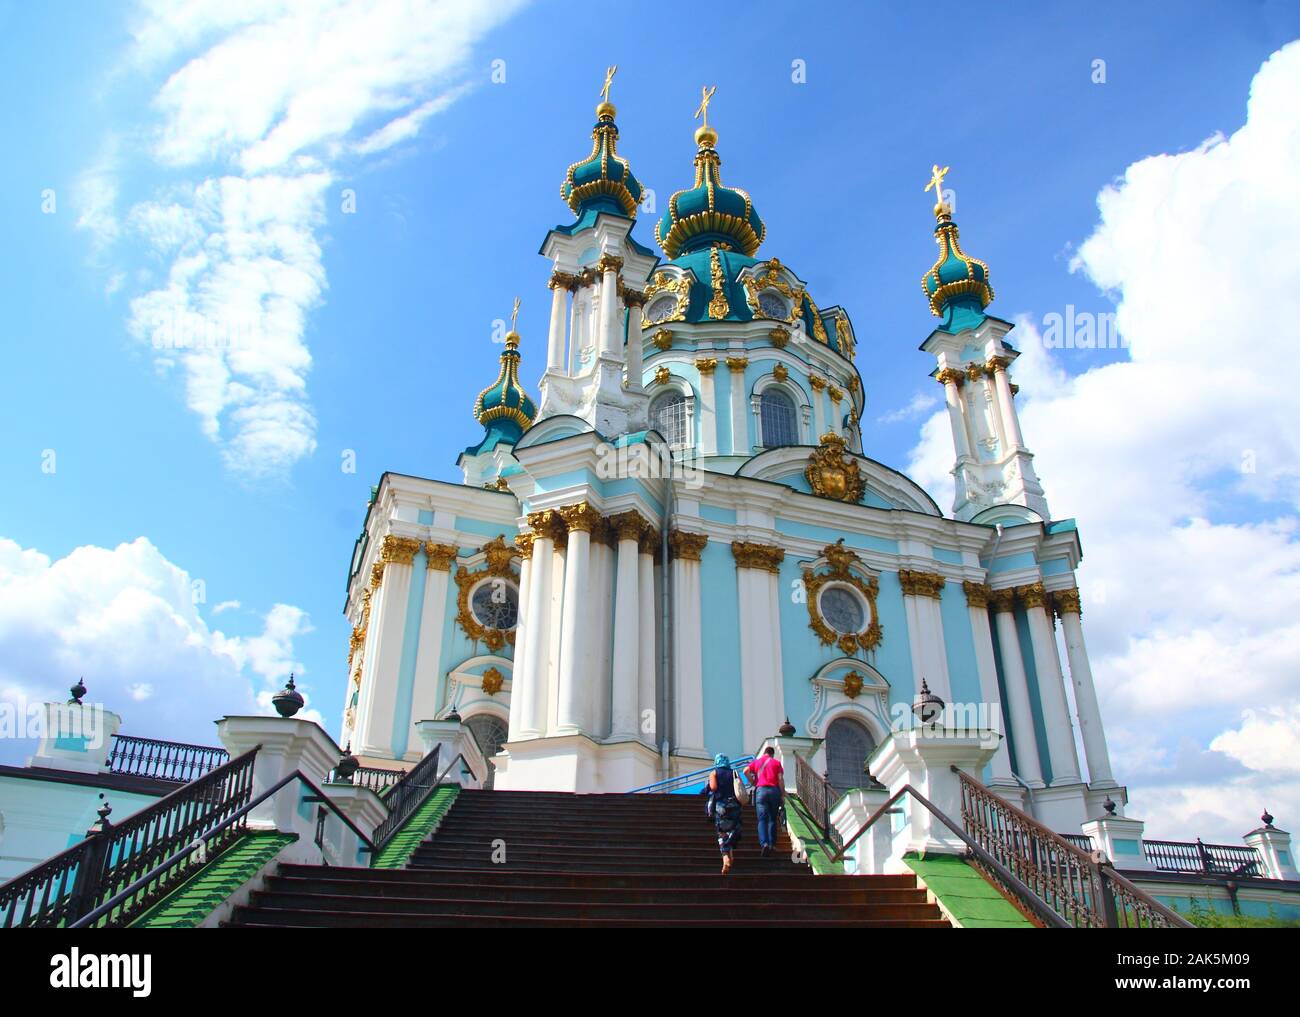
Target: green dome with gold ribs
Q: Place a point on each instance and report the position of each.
(504, 408)
(602, 182)
(709, 214)
(957, 285)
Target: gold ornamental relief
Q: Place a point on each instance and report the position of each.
(687, 546)
(921, 584)
(399, 550)
(763, 557)
(843, 567)
(492, 681)
(833, 473)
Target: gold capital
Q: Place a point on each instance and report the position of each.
(1066, 602)
(580, 517)
(921, 584)
(628, 525)
(398, 550)
(763, 557)
(706, 365)
(440, 556)
(1032, 595)
(687, 546)
(977, 594)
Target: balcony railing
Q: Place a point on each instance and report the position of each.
(1196, 857)
(175, 762)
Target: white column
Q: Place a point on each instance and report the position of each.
(688, 643)
(1051, 687)
(531, 674)
(555, 340)
(921, 592)
(951, 378)
(966, 400)
(1066, 603)
(740, 443)
(601, 596)
(610, 340)
(649, 607)
(708, 407)
(634, 346)
(627, 627)
(1008, 410)
(575, 642)
(575, 326)
(977, 599)
(819, 409)
(1017, 685)
(762, 702)
(990, 398)
(424, 697)
(525, 544)
(378, 704)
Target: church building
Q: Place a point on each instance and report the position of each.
(680, 546)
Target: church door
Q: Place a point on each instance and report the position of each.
(848, 744)
(490, 734)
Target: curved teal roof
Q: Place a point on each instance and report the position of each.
(709, 214)
(504, 408)
(957, 285)
(603, 182)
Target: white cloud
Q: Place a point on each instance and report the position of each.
(125, 619)
(919, 404)
(1191, 579)
(264, 103)
(226, 605)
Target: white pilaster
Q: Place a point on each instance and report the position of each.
(1006, 406)
(921, 591)
(627, 632)
(555, 339)
(649, 608)
(1066, 603)
(1051, 687)
(575, 633)
(424, 696)
(378, 701)
(521, 635)
(708, 408)
(762, 701)
(819, 409)
(634, 347)
(740, 443)
(1017, 686)
(986, 665)
(610, 340)
(952, 397)
(688, 644)
(532, 673)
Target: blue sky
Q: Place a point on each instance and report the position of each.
(386, 334)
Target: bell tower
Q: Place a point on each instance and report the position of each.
(993, 466)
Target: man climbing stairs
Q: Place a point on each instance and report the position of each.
(503, 858)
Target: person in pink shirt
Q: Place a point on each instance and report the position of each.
(769, 779)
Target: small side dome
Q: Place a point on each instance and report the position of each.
(957, 285)
(709, 214)
(602, 182)
(504, 408)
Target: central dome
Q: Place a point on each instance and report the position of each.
(709, 214)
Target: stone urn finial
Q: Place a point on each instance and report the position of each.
(288, 700)
(77, 691)
(786, 730)
(347, 766)
(927, 706)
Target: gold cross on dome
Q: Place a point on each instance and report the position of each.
(514, 315)
(706, 95)
(936, 181)
(609, 79)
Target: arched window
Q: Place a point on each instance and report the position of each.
(668, 417)
(490, 734)
(780, 425)
(848, 744)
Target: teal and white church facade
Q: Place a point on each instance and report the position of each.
(681, 544)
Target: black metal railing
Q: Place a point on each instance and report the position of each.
(817, 796)
(170, 761)
(1080, 840)
(376, 778)
(77, 881)
(1196, 857)
(1083, 889)
(119, 906)
(409, 792)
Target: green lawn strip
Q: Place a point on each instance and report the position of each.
(197, 897)
(422, 822)
(817, 857)
(970, 898)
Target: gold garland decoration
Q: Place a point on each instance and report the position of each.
(840, 561)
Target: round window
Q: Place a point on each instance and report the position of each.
(843, 610)
(772, 306)
(495, 604)
(661, 309)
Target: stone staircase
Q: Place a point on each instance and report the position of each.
(503, 858)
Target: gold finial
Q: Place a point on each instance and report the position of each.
(936, 183)
(609, 79)
(706, 136)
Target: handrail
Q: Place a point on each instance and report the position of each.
(1198, 858)
(685, 779)
(317, 796)
(817, 795)
(1083, 885)
(407, 795)
(63, 888)
(1027, 896)
(461, 757)
(376, 778)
